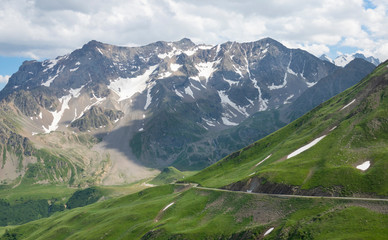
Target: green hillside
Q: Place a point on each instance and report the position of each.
(170, 175)
(181, 212)
(355, 129)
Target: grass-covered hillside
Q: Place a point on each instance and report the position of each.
(181, 212)
(170, 175)
(349, 131)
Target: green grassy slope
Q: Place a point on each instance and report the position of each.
(170, 175)
(361, 134)
(204, 214)
(30, 202)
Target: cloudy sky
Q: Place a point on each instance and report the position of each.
(41, 29)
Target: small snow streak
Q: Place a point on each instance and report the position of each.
(149, 99)
(304, 148)
(286, 101)
(226, 101)
(99, 50)
(310, 84)
(178, 93)
(273, 86)
(268, 231)
(263, 160)
(169, 205)
(347, 105)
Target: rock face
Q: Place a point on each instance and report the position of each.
(165, 103)
(97, 117)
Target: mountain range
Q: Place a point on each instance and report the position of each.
(344, 59)
(323, 176)
(109, 114)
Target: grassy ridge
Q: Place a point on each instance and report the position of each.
(170, 175)
(361, 134)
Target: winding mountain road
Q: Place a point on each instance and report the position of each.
(286, 195)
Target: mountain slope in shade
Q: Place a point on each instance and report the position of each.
(339, 148)
(261, 124)
(328, 87)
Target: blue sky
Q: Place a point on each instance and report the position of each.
(44, 29)
(9, 65)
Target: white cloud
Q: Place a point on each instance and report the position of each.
(4, 79)
(45, 28)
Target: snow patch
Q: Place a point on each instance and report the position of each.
(99, 50)
(332, 128)
(263, 102)
(304, 148)
(178, 93)
(226, 101)
(188, 91)
(149, 99)
(343, 60)
(310, 84)
(195, 87)
(364, 166)
(127, 87)
(165, 75)
(227, 122)
(77, 63)
(141, 129)
(49, 81)
(98, 101)
(257, 164)
(76, 92)
(347, 105)
(164, 55)
(286, 101)
(190, 52)
(205, 47)
(273, 86)
(231, 83)
(169, 205)
(208, 122)
(268, 231)
(52, 78)
(74, 69)
(206, 69)
(174, 67)
(57, 115)
(50, 64)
